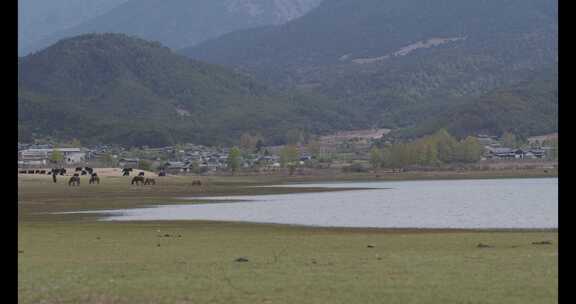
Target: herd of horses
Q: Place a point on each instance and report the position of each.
(74, 180)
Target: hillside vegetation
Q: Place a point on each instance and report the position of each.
(527, 108)
(118, 89)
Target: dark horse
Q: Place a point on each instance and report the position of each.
(74, 180)
(149, 181)
(138, 180)
(94, 179)
(126, 171)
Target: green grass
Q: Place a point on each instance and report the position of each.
(74, 259)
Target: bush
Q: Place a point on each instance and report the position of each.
(355, 168)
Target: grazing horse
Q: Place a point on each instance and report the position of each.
(138, 180)
(149, 181)
(126, 171)
(94, 179)
(74, 180)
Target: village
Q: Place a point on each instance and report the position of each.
(337, 152)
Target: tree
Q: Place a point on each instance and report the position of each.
(553, 152)
(446, 145)
(57, 156)
(385, 156)
(313, 147)
(248, 142)
(144, 165)
(288, 155)
(259, 145)
(375, 158)
(509, 140)
(472, 149)
(109, 160)
(234, 159)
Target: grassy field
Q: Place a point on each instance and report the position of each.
(75, 259)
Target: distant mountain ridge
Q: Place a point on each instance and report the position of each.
(181, 23)
(396, 62)
(38, 19)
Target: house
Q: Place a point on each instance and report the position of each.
(537, 153)
(504, 153)
(129, 162)
(176, 167)
(509, 153)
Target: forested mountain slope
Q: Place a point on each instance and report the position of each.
(113, 88)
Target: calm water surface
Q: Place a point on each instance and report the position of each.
(501, 203)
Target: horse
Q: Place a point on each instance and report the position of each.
(89, 170)
(149, 181)
(74, 180)
(94, 179)
(78, 169)
(141, 174)
(138, 180)
(84, 172)
(126, 171)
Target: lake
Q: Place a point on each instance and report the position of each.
(482, 204)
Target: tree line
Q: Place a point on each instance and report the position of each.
(432, 150)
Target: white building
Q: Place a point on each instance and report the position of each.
(40, 157)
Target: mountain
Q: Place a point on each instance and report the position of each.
(527, 108)
(395, 63)
(38, 19)
(180, 23)
(113, 88)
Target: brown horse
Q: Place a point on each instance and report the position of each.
(94, 179)
(138, 180)
(74, 180)
(149, 181)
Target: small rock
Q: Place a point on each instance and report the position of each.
(166, 235)
(157, 245)
(314, 261)
(370, 246)
(542, 243)
(480, 245)
(379, 258)
(97, 237)
(20, 251)
(241, 260)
